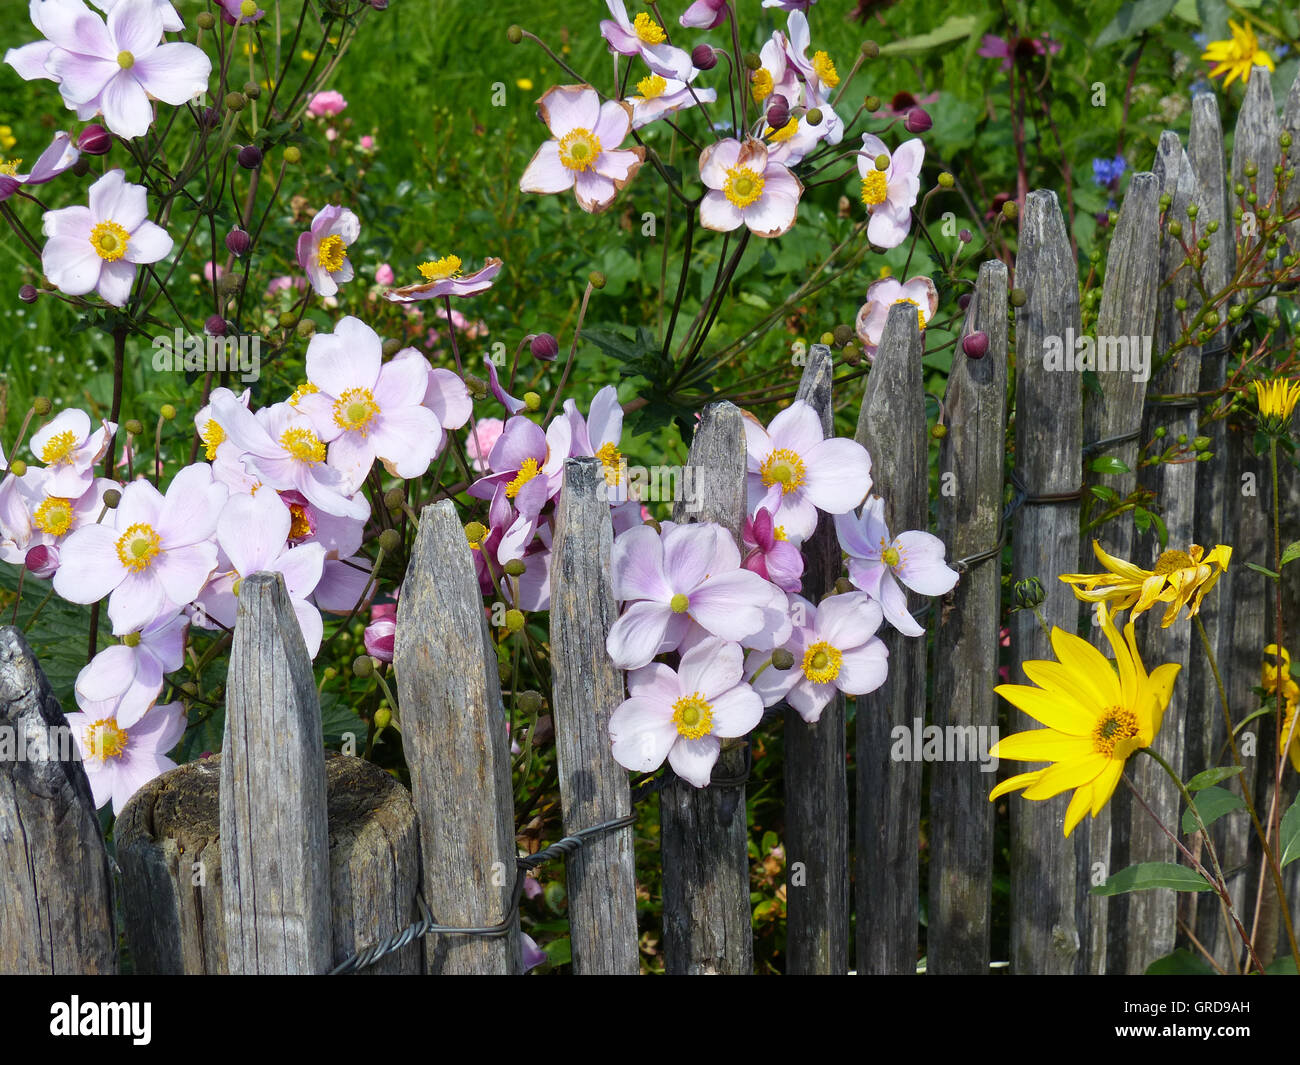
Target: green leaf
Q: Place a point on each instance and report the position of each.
(1291, 553)
(1108, 464)
(1132, 19)
(1262, 569)
(1212, 776)
(1151, 875)
(1211, 804)
(559, 951)
(1290, 837)
(954, 29)
(1214, 19)
(1181, 962)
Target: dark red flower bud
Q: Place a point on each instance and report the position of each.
(704, 57)
(918, 120)
(976, 346)
(215, 326)
(238, 242)
(95, 140)
(250, 157)
(779, 113)
(28, 293)
(544, 347)
(963, 301)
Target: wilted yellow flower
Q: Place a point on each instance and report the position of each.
(1176, 577)
(1095, 719)
(1268, 680)
(1237, 56)
(1276, 399)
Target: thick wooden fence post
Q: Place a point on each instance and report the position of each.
(966, 639)
(588, 687)
(707, 926)
(816, 776)
(1049, 873)
(892, 428)
(454, 731)
(274, 840)
(56, 900)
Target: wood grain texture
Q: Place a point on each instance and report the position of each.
(816, 774)
(1049, 873)
(971, 461)
(454, 732)
(601, 877)
(1128, 309)
(56, 900)
(892, 427)
(704, 836)
(274, 841)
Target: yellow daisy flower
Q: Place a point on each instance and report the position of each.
(1268, 680)
(1095, 719)
(1176, 577)
(1238, 56)
(1277, 400)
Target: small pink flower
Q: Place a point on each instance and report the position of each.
(704, 15)
(131, 675)
(322, 250)
(584, 153)
(119, 760)
(769, 553)
(379, 639)
(384, 274)
(890, 194)
(482, 440)
(1017, 49)
(881, 296)
(284, 282)
(213, 271)
(367, 143)
(326, 103)
(644, 37)
(57, 158)
(443, 277)
(747, 188)
(331, 134)
(71, 447)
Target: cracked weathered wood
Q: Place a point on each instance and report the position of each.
(971, 461)
(816, 775)
(274, 840)
(704, 837)
(601, 877)
(169, 846)
(1049, 873)
(454, 733)
(892, 427)
(56, 901)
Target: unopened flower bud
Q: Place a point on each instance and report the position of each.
(95, 140)
(390, 540)
(778, 115)
(870, 49)
(813, 116)
(167, 411)
(363, 666)
(215, 326)
(842, 335)
(236, 101)
(42, 561)
(963, 301)
(238, 242)
(1175, 229)
(18, 468)
(1010, 210)
(976, 346)
(305, 328)
(532, 401)
(209, 117)
(704, 57)
(653, 523)
(917, 120)
(28, 293)
(475, 531)
(1029, 593)
(394, 498)
(250, 157)
(286, 319)
(252, 90)
(391, 347)
(112, 497)
(204, 20)
(41, 406)
(1019, 297)
(596, 279)
(514, 620)
(292, 154)
(965, 236)
(939, 431)
(753, 61)
(383, 717)
(842, 586)
(544, 347)
(851, 355)
(782, 659)
(514, 34)
(82, 166)
(531, 702)
(516, 567)
(871, 103)
(133, 426)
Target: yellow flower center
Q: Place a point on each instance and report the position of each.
(579, 148)
(890, 557)
(874, 188)
(1171, 562)
(332, 253)
(648, 30)
(213, 436)
(138, 547)
(59, 448)
(355, 410)
(11, 168)
(611, 458)
(54, 516)
(785, 467)
(527, 472)
(760, 84)
(651, 88)
(125, 60)
(248, 8)
(304, 389)
(693, 716)
(105, 739)
(441, 269)
(743, 186)
(920, 314)
(825, 69)
(680, 603)
(780, 136)
(1115, 725)
(299, 523)
(109, 241)
(778, 533)
(131, 639)
(821, 662)
(303, 444)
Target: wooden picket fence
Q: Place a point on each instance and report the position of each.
(274, 858)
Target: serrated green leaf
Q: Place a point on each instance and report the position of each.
(1181, 962)
(1132, 18)
(1212, 776)
(1151, 875)
(1291, 553)
(1211, 804)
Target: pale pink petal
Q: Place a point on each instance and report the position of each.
(655, 681)
(174, 73)
(545, 173)
(718, 213)
(593, 190)
(147, 244)
(637, 565)
(635, 637)
(711, 667)
(736, 711)
(115, 281)
(838, 475)
(183, 572)
(127, 110)
(730, 604)
(140, 598)
(863, 669)
(693, 760)
(642, 733)
(568, 107)
(89, 567)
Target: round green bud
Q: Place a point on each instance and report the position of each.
(1182, 439)
(1175, 229)
(133, 426)
(1192, 210)
(946, 180)
(842, 335)
(1211, 318)
(514, 620)
(329, 673)
(514, 34)
(1205, 456)
(652, 523)
(18, 468)
(1212, 226)
(1201, 443)
(1250, 169)
(167, 411)
(531, 702)
(1203, 243)
(1164, 201)
(596, 279)
(390, 540)
(842, 586)
(851, 354)
(870, 49)
(1252, 198)
(287, 318)
(363, 666)
(871, 103)
(1019, 297)
(516, 567)
(1284, 139)
(41, 406)
(236, 101)
(252, 90)
(1160, 432)
(293, 154)
(532, 401)
(204, 20)
(1010, 210)
(782, 659)
(383, 717)
(306, 328)
(1180, 304)
(753, 61)
(939, 431)
(814, 116)
(475, 531)
(394, 498)
(112, 497)
(190, 688)
(1029, 593)
(882, 161)
(391, 347)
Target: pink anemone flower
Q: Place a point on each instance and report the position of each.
(329, 102)
(660, 97)
(644, 37)
(881, 296)
(120, 759)
(747, 188)
(71, 449)
(443, 277)
(527, 464)
(55, 160)
(889, 194)
(131, 673)
(323, 249)
(769, 553)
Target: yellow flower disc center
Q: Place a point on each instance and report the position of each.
(54, 516)
(760, 84)
(784, 467)
(693, 716)
(304, 389)
(125, 60)
(213, 436)
(332, 253)
(1171, 562)
(890, 557)
(920, 314)
(303, 444)
(105, 739)
(875, 187)
(138, 547)
(11, 168)
(299, 523)
(651, 88)
(821, 662)
(1117, 724)
(680, 603)
(441, 269)
(248, 8)
(527, 472)
(780, 136)
(59, 448)
(648, 30)
(579, 148)
(109, 241)
(611, 458)
(778, 533)
(825, 69)
(743, 186)
(355, 410)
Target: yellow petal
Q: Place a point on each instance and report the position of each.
(1020, 780)
(1104, 786)
(1043, 707)
(1042, 745)
(1118, 565)
(1078, 807)
(1090, 668)
(1076, 716)
(1065, 775)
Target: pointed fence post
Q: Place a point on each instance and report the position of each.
(454, 732)
(892, 427)
(274, 840)
(704, 836)
(56, 895)
(601, 876)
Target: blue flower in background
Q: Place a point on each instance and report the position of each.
(1108, 171)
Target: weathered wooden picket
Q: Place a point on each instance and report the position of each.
(272, 857)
